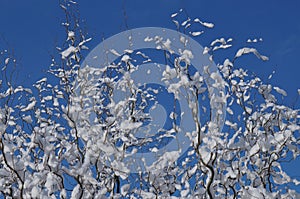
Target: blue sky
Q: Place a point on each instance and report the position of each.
(32, 29)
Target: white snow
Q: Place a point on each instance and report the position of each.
(76, 192)
(221, 40)
(280, 91)
(6, 61)
(196, 33)
(28, 119)
(128, 125)
(205, 50)
(205, 24)
(254, 149)
(250, 50)
(113, 51)
(174, 15)
(66, 53)
(125, 58)
(71, 35)
(30, 106)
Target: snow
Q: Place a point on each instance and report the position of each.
(28, 119)
(124, 189)
(6, 61)
(41, 80)
(296, 182)
(63, 193)
(66, 53)
(113, 51)
(55, 102)
(129, 125)
(205, 50)
(163, 161)
(196, 33)
(208, 25)
(222, 47)
(205, 24)
(30, 106)
(254, 40)
(176, 23)
(18, 89)
(148, 39)
(120, 169)
(128, 51)
(167, 45)
(174, 15)
(254, 150)
(74, 144)
(125, 58)
(250, 50)
(187, 55)
(205, 154)
(169, 73)
(76, 192)
(71, 35)
(184, 193)
(154, 150)
(35, 193)
(221, 40)
(47, 98)
(280, 91)
(248, 110)
(185, 22)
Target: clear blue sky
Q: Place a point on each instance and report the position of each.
(32, 29)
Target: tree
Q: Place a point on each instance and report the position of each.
(77, 132)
